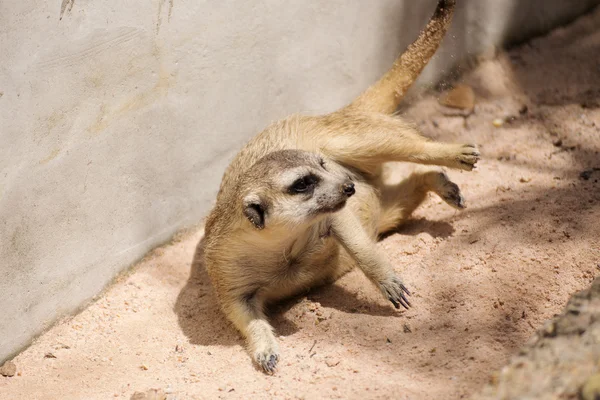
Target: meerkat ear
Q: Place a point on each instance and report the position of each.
(254, 210)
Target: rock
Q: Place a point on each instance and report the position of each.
(152, 394)
(461, 97)
(587, 174)
(498, 122)
(332, 362)
(561, 360)
(591, 388)
(8, 369)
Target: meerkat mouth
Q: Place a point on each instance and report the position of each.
(329, 210)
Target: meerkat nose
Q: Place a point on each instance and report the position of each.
(348, 188)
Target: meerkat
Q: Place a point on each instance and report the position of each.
(305, 200)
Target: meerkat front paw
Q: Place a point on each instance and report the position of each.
(267, 358)
(466, 157)
(395, 291)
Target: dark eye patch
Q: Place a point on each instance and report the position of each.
(305, 184)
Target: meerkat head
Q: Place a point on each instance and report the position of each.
(293, 188)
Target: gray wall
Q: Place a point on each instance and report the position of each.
(118, 118)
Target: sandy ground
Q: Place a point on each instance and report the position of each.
(483, 279)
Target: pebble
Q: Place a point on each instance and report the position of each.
(497, 122)
(332, 362)
(8, 369)
(152, 394)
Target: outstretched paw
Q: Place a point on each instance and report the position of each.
(395, 291)
(467, 157)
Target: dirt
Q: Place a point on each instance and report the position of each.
(484, 280)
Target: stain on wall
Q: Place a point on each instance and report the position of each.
(159, 14)
(66, 6)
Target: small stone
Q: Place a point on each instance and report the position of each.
(525, 180)
(49, 355)
(332, 362)
(587, 174)
(406, 328)
(152, 394)
(461, 97)
(8, 369)
(497, 122)
(549, 329)
(591, 388)
(144, 367)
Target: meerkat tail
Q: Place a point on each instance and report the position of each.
(385, 95)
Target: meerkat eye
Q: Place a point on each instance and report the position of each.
(299, 186)
(304, 184)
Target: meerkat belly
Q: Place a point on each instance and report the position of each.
(316, 263)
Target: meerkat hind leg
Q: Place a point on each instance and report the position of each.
(364, 141)
(400, 200)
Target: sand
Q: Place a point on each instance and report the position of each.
(483, 279)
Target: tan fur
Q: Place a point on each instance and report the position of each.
(263, 244)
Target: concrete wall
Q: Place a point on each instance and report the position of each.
(118, 118)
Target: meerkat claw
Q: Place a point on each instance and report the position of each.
(404, 289)
(268, 365)
(395, 291)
